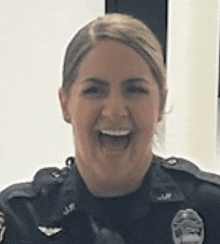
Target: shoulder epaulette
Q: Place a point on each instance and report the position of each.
(183, 165)
(18, 190)
(44, 180)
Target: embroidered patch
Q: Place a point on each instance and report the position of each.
(2, 226)
(187, 227)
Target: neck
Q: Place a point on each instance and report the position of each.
(114, 185)
(114, 189)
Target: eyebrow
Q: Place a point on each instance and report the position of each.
(127, 80)
(97, 80)
(135, 79)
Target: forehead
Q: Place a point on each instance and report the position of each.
(113, 60)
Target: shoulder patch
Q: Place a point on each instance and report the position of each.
(186, 166)
(2, 226)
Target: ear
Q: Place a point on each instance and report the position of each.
(163, 99)
(63, 96)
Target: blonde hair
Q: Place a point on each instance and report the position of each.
(121, 28)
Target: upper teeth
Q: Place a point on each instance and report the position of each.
(116, 133)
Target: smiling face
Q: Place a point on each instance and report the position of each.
(113, 107)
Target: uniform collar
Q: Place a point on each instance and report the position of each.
(159, 188)
(74, 196)
(163, 188)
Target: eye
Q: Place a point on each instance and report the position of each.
(136, 90)
(91, 90)
(95, 91)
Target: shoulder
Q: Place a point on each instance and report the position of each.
(183, 166)
(44, 180)
(25, 204)
(195, 183)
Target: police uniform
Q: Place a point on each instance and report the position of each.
(177, 203)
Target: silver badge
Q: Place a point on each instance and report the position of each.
(187, 227)
(2, 226)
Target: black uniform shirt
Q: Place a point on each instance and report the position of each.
(177, 203)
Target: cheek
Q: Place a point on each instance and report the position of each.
(84, 116)
(147, 114)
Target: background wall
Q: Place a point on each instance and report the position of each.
(34, 35)
(192, 61)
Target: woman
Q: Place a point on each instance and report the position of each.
(115, 190)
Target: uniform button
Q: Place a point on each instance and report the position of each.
(172, 161)
(70, 162)
(56, 174)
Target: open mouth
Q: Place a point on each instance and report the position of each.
(115, 141)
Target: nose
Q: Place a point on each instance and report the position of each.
(115, 107)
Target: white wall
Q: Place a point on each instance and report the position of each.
(218, 140)
(193, 53)
(34, 35)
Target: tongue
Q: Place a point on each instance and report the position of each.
(116, 143)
